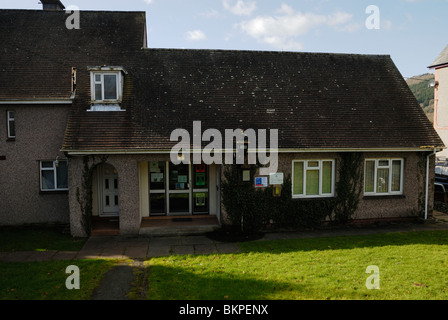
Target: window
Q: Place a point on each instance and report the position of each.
(53, 175)
(383, 177)
(105, 87)
(312, 178)
(11, 124)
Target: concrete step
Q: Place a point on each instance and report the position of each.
(177, 230)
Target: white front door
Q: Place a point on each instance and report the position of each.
(109, 191)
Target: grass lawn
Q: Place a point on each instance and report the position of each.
(46, 280)
(411, 266)
(37, 238)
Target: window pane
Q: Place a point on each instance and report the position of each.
(312, 182)
(11, 124)
(62, 175)
(47, 179)
(298, 178)
(110, 87)
(313, 164)
(97, 78)
(327, 177)
(47, 164)
(157, 203)
(98, 94)
(383, 163)
(200, 202)
(156, 175)
(396, 175)
(382, 181)
(200, 176)
(370, 176)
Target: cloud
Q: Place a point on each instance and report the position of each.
(148, 1)
(210, 14)
(283, 30)
(240, 8)
(196, 35)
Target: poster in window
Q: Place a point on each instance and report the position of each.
(200, 168)
(154, 166)
(200, 199)
(200, 179)
(157, 177)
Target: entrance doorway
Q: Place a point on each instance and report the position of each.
(108, 191)
(178, 189)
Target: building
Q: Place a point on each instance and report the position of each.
(88, 116)
(440, 65)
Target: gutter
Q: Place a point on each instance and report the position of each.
(34, 101)
(283, 150)
(41, 101)
(427, 181)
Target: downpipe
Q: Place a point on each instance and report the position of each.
(427, 182)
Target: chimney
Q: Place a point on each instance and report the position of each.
(52, 5)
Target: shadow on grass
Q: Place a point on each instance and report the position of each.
(38, 238)
(172, 283)
(439, 237)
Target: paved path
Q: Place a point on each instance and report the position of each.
(121, 247)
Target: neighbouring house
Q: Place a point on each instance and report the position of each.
(440, 65)
(87, 117)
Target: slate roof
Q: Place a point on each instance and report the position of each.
(315, 100)
(441, 59)
(37, 51)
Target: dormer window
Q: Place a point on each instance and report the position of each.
(106, 88)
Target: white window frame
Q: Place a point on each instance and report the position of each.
(106, 104)
(101, 82)
(389, 166)
(9, 120)
(319, 168)
(53, 168)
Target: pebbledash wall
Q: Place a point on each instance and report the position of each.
(133, 187)
(39, 132)
(409, 204)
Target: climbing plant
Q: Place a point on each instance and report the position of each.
(348, 187)
(251, 208)
(84, 194)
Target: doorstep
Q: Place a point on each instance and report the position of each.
(178, 225)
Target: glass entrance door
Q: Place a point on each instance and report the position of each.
(178, 189)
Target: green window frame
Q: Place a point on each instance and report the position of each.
(383, 176)
(313, 178)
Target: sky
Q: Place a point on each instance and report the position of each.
(412, 32)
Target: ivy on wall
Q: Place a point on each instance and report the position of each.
(348, 187)
(84, 195)
(251, 209)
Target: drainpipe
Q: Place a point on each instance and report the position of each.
(427, 182)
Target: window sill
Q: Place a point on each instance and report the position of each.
(312, 198)
(54, 192)
(384, 197)
(105, 107)
(10, 139)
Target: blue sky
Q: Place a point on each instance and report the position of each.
(413, 32)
